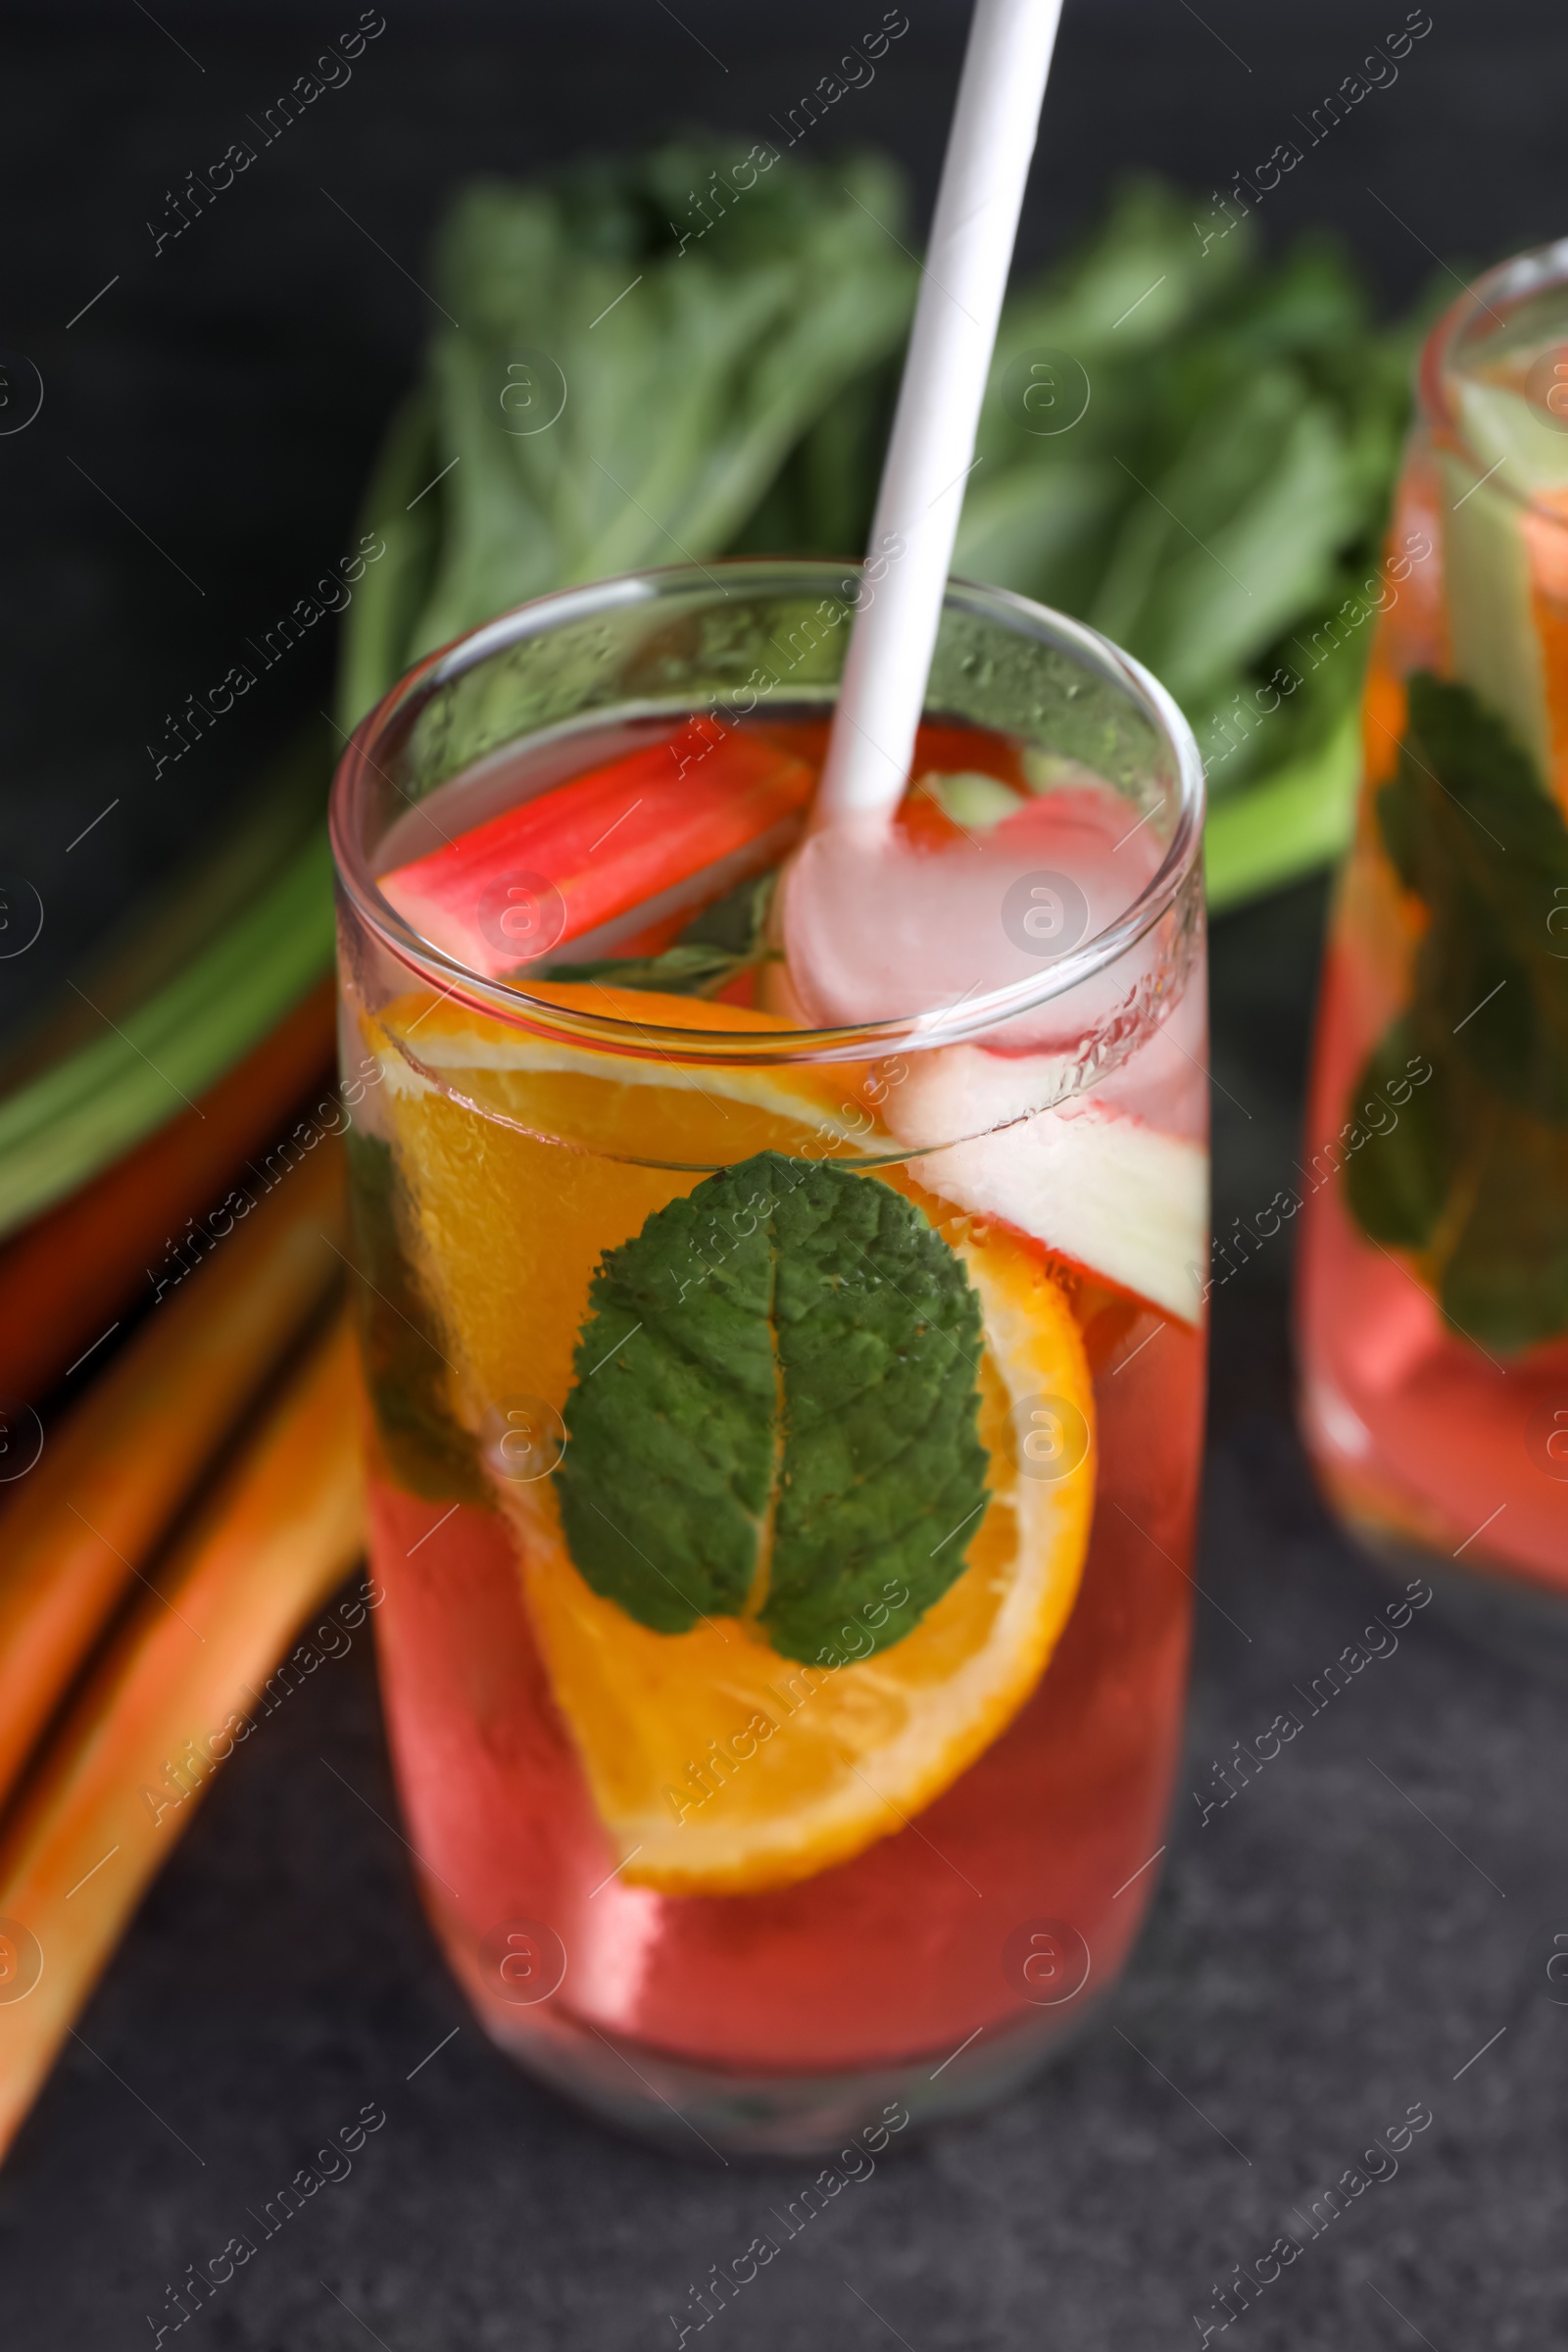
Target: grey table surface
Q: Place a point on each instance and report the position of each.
(1330, 1950)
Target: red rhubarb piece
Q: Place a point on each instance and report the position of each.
(600, 861)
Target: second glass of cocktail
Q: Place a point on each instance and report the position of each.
(1434, 1275)
(781, 1262)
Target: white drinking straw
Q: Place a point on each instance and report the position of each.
(931, 451)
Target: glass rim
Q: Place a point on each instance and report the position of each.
(1509, 281)
(954, 1024)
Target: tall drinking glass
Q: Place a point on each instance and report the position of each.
(780, 1262)
(1433, 1272)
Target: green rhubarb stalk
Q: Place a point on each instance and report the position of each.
(1287, 826)
(61, 1128)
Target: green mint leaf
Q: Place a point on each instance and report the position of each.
(1477, 1171)
(679, 971)
(774, 1409)
(1474, 832)
(1399, 1177)
(1505, 1277)
(726, 938)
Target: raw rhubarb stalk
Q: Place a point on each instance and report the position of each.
(68, 1275)
(83, 1522)
(123, 1776)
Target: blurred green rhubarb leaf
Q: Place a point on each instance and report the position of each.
(614, 398)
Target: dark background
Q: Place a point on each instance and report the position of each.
(1323, 1955)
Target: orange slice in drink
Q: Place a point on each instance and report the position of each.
(577, 1147)
(718, 1766)
(715, 1764)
